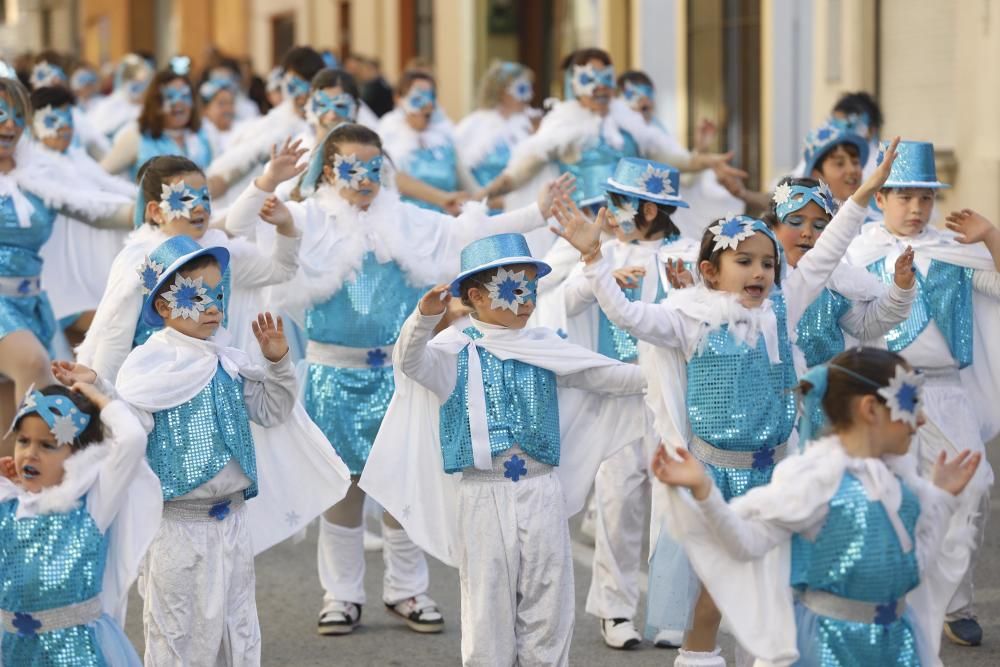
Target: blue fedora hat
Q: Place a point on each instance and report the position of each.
(161, 265)
(652, 181)
(828, 135)
(913, 167)
(495, 251)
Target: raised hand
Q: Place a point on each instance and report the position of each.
(284, 164)
(270, 334)
(274, 212)
(688, 472)
(435, 301)
(69, 373)
(970, 226)
(560, 188)
(7, 468)
(580, 232)
(628, 276)
(878, 177)
(953, 476)
(678, 274)
(95, 396)
(905, 274)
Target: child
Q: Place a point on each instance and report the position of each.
(727, 344)
(949, 334)
(367, 257)
(848, 525)
(197, 396)
(110, 114)
(495, 403)
(647, 252)
(78, 508)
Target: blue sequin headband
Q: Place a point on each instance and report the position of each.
(789, 198)
(343, 105)
(586, 79)
(48, 120)
(64, 419)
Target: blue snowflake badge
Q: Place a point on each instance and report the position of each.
(515, 468)
(49, 120)
(26, 624)
(376, 358)
(177, 200)
(510, 290)
(902, 396)
(763, 459)
(220, 510)
(885, 614)
(656, 181)
(732, 230)
(149, 272)
(24, 287)
(521, 89)
(186, 297)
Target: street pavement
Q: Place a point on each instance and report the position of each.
(289, 595)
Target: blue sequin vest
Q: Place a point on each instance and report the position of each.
(437, 166)
(492, 165)
(150, 147)
(143, 331)
(522, 408)
(596, 165)
(192, 442)
(19, 246)
(367, 311)
(819, 335)
(943, 295)
(736, 398)
(856, 554)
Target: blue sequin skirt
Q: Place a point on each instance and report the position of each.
(33, 313)
(97, 644)
(828, 642)
(734, 482)
(348, 405)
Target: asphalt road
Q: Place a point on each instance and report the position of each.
(288, 598)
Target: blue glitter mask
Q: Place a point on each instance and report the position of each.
(82, 78)
(295, 86)
(188, 298)
(624, 215)
(172, 95)
(180, 199)
(418, 99)
(790, 198)
(343, 105)
(510, 290)
(587, 78)
(7, 113)
(350, 171)
(48, 120)
(214, 86)
(47, 74)
(635, 93)
(60, 413)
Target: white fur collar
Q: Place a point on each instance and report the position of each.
(399, 140)
(80, 472)
(481, 131)
(251, 142)
(568, 129)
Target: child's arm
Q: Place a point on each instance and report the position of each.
(578, 295)
(615, 380)
(431, 368)
(109, 338)
(271, 400)
(242, 217)
(868, 320)
(251, 267)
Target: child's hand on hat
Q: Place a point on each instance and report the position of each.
(580, 232)
(878, 177)
(435, 302)
(904, 276)
(270, 334)
(69, 373)
(551, 192)
(274, 212)
(284, 165)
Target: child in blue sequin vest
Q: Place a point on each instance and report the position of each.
(950, 334)
(66, 499)
(722, 372)
(512, 425)
(839, 560)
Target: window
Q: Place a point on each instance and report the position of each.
(282, 35)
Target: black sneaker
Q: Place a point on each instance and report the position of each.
(620, 633)
(339, 618)
(964, 632)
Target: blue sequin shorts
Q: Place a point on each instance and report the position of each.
(32, 313)
(348, 405)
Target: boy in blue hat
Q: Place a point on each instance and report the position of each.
(948, 336)
(491, 441)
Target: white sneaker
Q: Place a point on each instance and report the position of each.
(668, 639)
(620, 633)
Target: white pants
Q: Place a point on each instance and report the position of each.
(197, 585)
(516, 572)
(621, 495)
(951, 427)
(341, 564)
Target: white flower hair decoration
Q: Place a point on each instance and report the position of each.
(782, 193)
(903, 395)
(732, 230)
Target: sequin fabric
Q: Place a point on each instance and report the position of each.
(19, 258)
(738, 401)
(191, 443)
(492, 165)
(818, 333)
(522, 408)
(150, 147)
(595, 166)
(856, 555)
(47, 562)
(437, 167)
(143, 331)
(944, 295)
(612, 340)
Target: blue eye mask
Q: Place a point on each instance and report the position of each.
(521, 89)
(586, 79)
(47, 74)
(350, 171)
(791, 198)
(136, 88)
(295, 86)
(510, 290)
(417, 100)
(64, 419)
(180, 199)
(7, 113)
(624, 215)
(172, 96)
(343, 105)
(82, 78)
(213, 87)
(190, 297)
(47, 121)
(635, 93)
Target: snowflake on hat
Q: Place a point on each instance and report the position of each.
(149, 271)
(656, 181)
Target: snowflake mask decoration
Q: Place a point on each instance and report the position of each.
(586, 79)
(343, 106)
(624, 215)
(180, 199)
(728, 233)
(46, 74)
(64, 419)
(521, 89)
(510, 290)
(48, 120)
(190, 297)
(903, 396)
(350, 171)
(418, 99)
(635, 93)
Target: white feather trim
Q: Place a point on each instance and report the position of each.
(399, 140)
(566, 131)
(251, 143)
(482, 130)
(79, 472)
